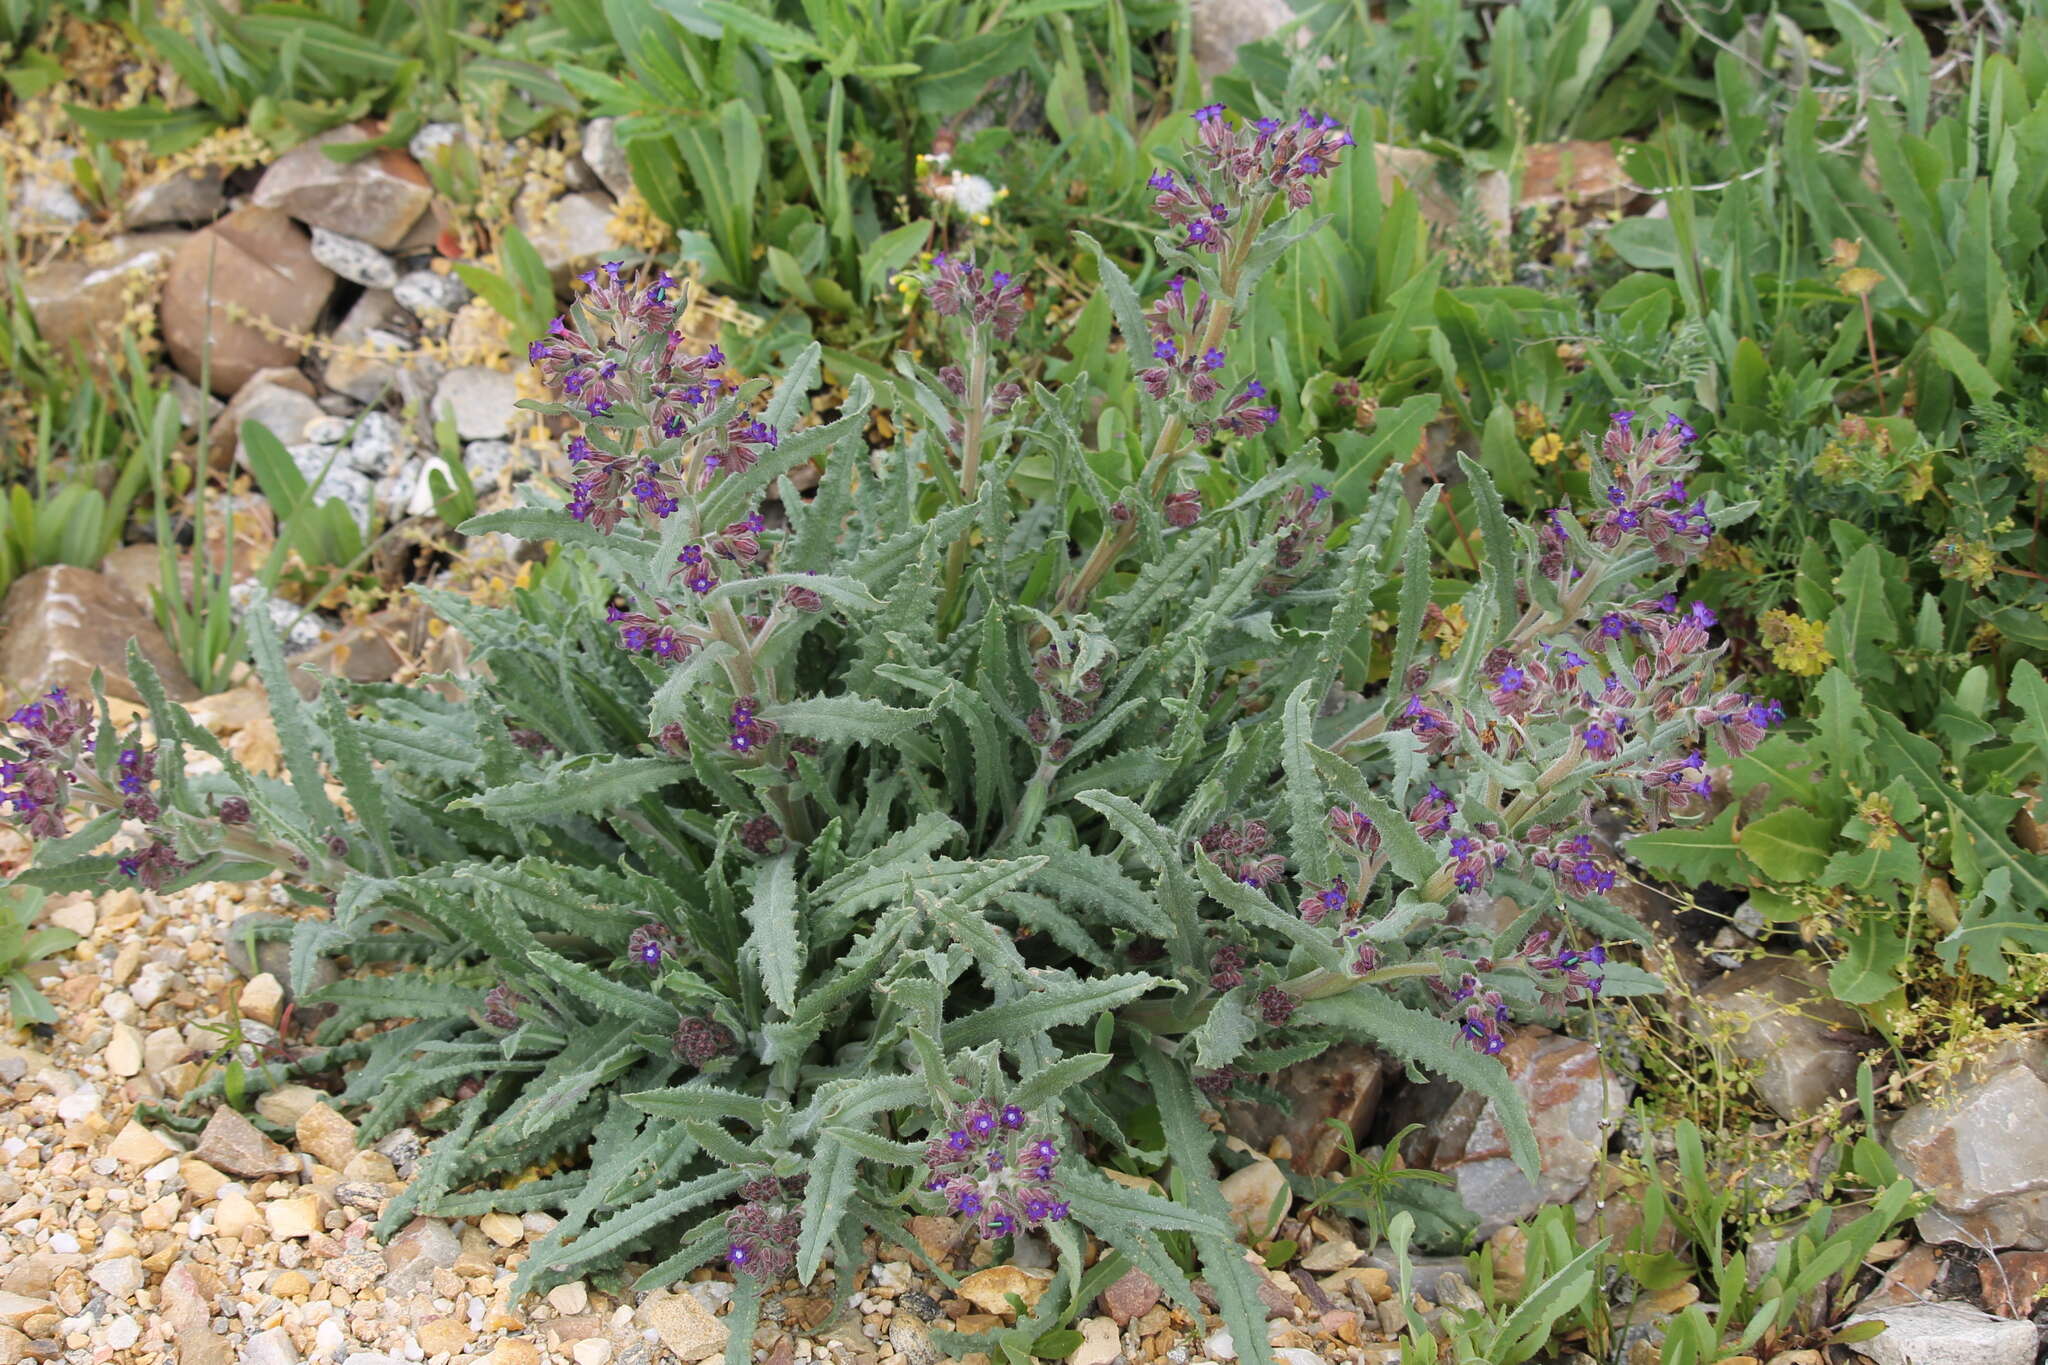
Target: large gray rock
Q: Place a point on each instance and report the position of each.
(483, 400)
(376, 198)
(1979, 1150)
(1221, 27)
(192, 195)
(1569, 1092)
(1779, 1016)
(572, 233)
(1947, 1334)
(282, 405)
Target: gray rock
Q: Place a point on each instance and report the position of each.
(1221, 27)
(376, 198)
(482, 400)
(1568, 1091)
(300, 631)
(282, 406)
(354, 260)
(1947, 1334)
(572, 233)
(1779, 1016)
(326, 431)
(412, 1257)
(377, 443)
(403, 1146)
(42, 193)
(432, 138)
(273, 955)
(486, 461)
(606, 155)
(429, 295)
(1978, 1150)
(232, 1144)
(83, 303)
(187, 196)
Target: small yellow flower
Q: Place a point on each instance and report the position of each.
(1529, 420)
(1796, 644)
(1545, 449)
(1858, 281)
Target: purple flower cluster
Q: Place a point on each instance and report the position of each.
(761, 836)
(1303, 526)
(1563, 975)
(620, 354)
(43, 772)
(1577, 865)
(701, 1040)
(1647, 499)
(1243, 849)
(762, 1233)
(501, 1004)
(50, 734)
(749, 733)
(958, 287)
(1190, 372)
(995, 1169)
(1485, 1015)
(1239, 167)
(651, 944)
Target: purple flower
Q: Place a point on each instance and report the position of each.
(1208, 113)
(1164, 350)
(1212, 359)
(1163, 181)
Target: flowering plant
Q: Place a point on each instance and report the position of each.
(876, 839)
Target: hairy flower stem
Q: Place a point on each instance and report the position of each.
(1164, 1018)
(975, 419)
(740, 672)
(1167, 450)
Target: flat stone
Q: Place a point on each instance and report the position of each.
(1259, 1198)
(1344, 1084)
(422, 1247)
(1977, 1150)
(571, 234)
(570, 1298)
(58, 624)
(592, 1351)
(1442, 188)
(193, 195)
(989, 1289)
(354, 260)
(232, 1144)
(1780, 1017)
(279, 399)
(1568, 1092)
(1130, 1298)
(445, 1336)
(253, 262)
(1101, 1343)
(376, 198)
(120, 1276)
(273, 1347)
(483, 401)
(683, 1325)
(326, 1136)
(298, 1216)
(124, 1050)
(1947, 1334)
(430, 295)
(503, 1229)
(139, 1147)
(16, 1309)
(374, 352)
(1221, 27)
(83, 303)
(606, 156)
(262, 999)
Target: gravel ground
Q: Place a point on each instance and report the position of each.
(123, 1243)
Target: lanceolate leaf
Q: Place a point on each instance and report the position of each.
(580, 789)
(1370, 1015)
(776, 944)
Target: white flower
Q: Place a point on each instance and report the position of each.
(971, 194)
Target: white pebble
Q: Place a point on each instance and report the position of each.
(64, 1244)
(80, 1104)
(123, 1332)
(163, 1170)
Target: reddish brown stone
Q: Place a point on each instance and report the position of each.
(1343, 1084)
(245, 287)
